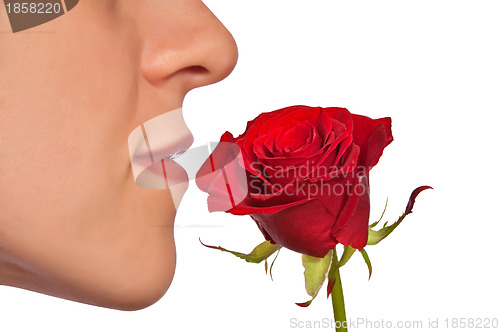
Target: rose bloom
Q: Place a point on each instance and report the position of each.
(307, 176)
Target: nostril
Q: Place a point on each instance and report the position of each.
(197, 69)
(196, 76)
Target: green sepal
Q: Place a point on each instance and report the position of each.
(375, 237)
(272, 264)
(383, 212)
(346, 255)
(258, 254)
(315, 273)
(367, 261)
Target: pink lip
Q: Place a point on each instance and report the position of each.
(152, 148)
(173, 172)
(170, 170)
(169, 152)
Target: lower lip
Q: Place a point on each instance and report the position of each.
(173, 173)
(176, 179)
(166, 173)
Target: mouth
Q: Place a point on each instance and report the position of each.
(142, 160)
(153, 146)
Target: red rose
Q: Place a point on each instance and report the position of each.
(306, 174)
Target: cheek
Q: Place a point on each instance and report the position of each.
(65, 122)
(65, 119)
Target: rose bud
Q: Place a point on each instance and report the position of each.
(307, 185)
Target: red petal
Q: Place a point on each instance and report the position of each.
(250, 206)
(304, 228)
(351, 228)
(221, 155)
(372, 136)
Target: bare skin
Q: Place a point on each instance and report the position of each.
(73, 223)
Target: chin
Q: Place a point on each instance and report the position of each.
(122, 257)
(141, 281)
(130, 275)
(139, 293)
(135, 286)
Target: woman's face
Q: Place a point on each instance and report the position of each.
(73, 223)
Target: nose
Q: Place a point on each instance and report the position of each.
(184, 45)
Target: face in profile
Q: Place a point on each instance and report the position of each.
(73, 222)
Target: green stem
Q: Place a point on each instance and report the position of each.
(338, 297)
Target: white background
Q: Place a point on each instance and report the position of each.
(430, 65)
